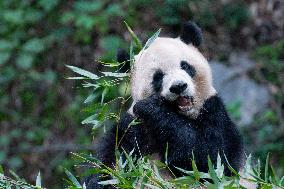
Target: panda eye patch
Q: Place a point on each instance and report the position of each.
(188, 68)
(157, 80)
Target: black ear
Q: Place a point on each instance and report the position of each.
(123, 56)
(191, 33)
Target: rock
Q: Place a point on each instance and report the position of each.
(241, 62)
(233, 85)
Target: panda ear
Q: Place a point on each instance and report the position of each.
(191, 33)
(123, 56)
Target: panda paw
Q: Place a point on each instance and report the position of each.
(147, 107)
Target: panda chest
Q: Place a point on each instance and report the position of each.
(209, 137)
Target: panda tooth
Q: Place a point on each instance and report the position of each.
(184, 108)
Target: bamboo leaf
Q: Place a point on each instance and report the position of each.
(109, 182)
(152, 39)
(115, 74)
(220, 167)
(38, 180)
(152, 186)
(212, 172)
(73, 179)
(83, 72)
(266, 168)
(90, 98)
(134, 37)
(194, 168)
(76, 78)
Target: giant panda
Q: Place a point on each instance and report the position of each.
(179, 109)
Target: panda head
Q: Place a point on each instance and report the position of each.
(174, 69)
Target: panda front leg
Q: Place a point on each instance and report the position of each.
(216, 121)
(121, 136)
(174, 132)
(130, 137)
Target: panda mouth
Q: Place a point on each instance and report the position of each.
(184, 103)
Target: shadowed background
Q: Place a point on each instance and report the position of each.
(40, 111)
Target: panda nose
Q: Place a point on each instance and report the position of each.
(178, 88)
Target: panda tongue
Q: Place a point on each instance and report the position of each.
(182, 101)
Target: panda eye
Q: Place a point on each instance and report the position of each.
(157, 80)
(188, 68)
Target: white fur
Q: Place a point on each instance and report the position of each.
(166, 54)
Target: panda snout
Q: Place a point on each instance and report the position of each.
(178, 88)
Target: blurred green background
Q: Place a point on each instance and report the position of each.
(40, 111)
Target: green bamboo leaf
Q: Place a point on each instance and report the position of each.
(131, 55)
(274, 178)
(134, 37)
(91, 98)
(152, 39)
(220, 167)
(212, 172)
(266, 168)
(115, 74)
(73, 179)
(91, 119)
(1, 170)
(166, 154)
(152, 186)
(134, 122)
(76, 78)
(194, 168)
(83, 72)
(109, 182)
(185, 180)
(38, 180)
(231, 168)
(281, 182)
(105, 91)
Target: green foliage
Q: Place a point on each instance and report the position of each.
(17, 182)
(101, 110)
(143, 172)
(207, 13)
(269, 133)
(101, 101)
(34, 101)
(29, 111)
(85, 15)
(273, 51)
(235, 15)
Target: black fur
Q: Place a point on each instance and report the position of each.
(211, 133)
(123, 57)
(157, 80)
(92, 182)
(188, 68)
(191, 33)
